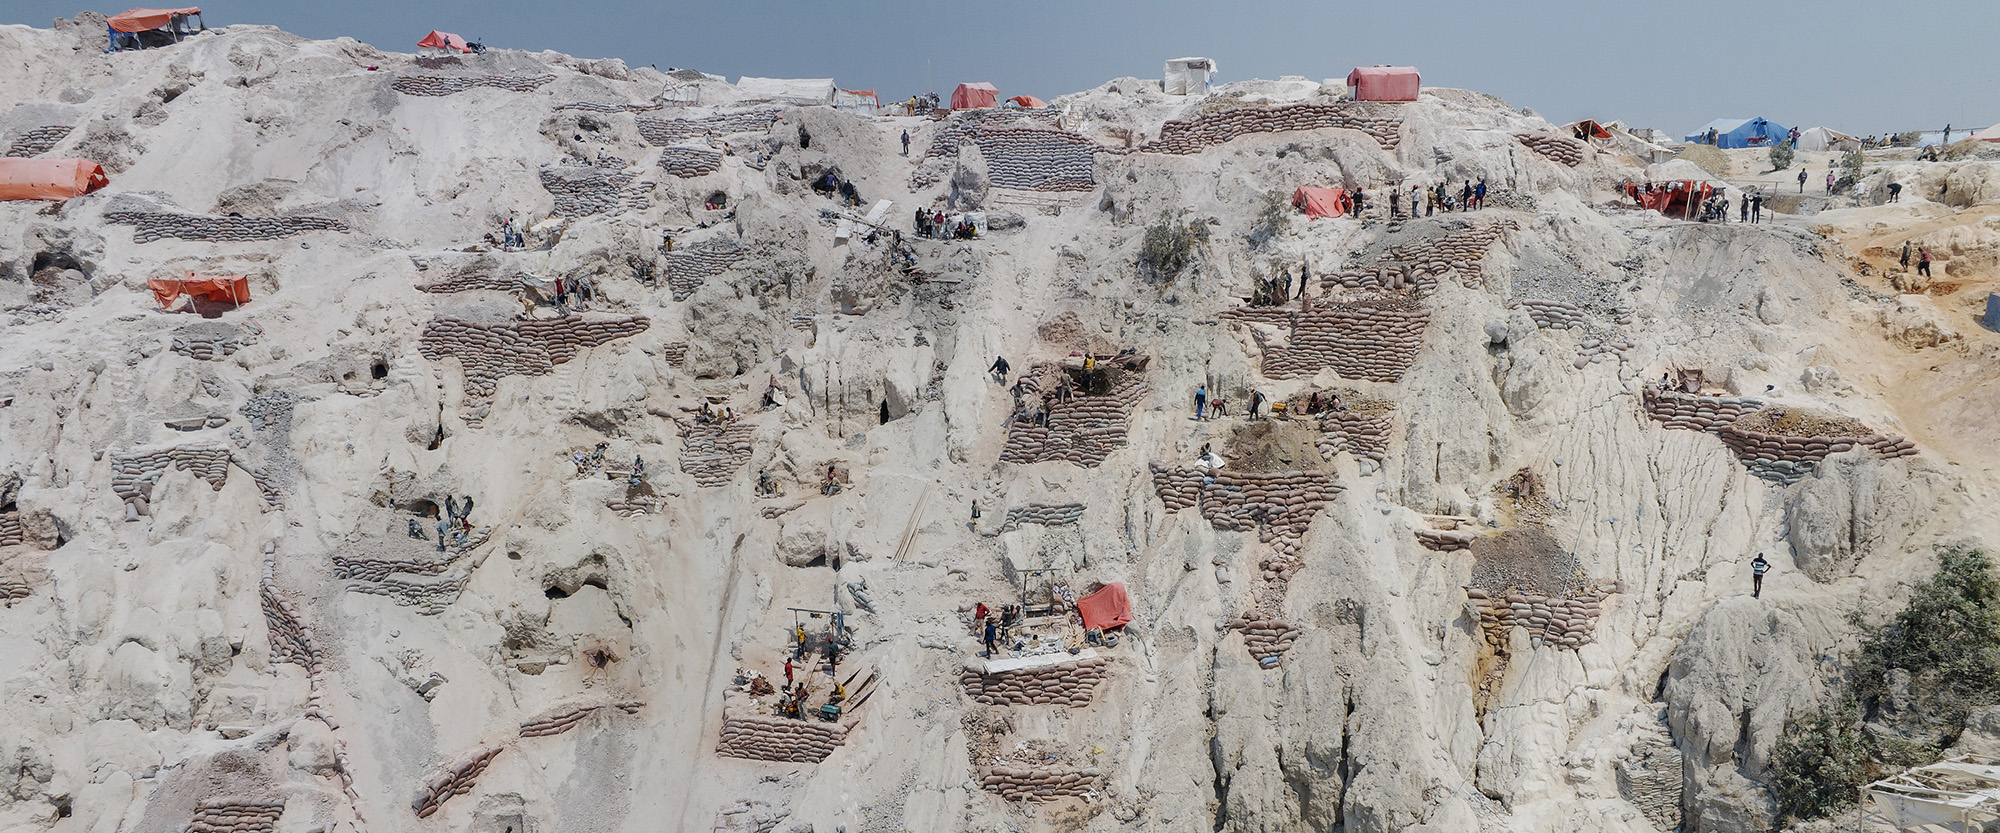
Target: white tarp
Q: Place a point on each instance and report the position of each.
(878, 213)
(1003, 665)
(1187, 76)
(789, 90)
(1822, 138)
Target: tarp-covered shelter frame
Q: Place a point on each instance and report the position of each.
(1740, 133)
(1678, 198)
(1961, 794)
(972, 95)
(856, 99)
(1827, 138)
(147, 28)
(1384, 83)
(233, 290)
(49, 179)
(1321, 202)
(445, 41)
(1616, 137)
(1187, 76)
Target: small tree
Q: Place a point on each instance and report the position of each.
(1820, 763)
(1274, 218)
(1168, 247)
(1781, 156)
(1850, 171)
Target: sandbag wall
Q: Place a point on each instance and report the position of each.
(149, 226)
(38, 141)
(1265, 637)
(468, 283)
(10, 529)
(687, 162)
(429, 598)
(1363, 433)
(1375, 339)
(236, 816)
(1785, 459)
(1569, 623)
(689, 268)
(663, 132)
(1422, 264)
(1046, 514)
(1024, 783)
(377, 568)
(580, 192)
(1037, 160)
(674, 354)
(1695, 412)
(595, 107)
(711, 453)
(1068, 684)
(434, 85)
(208, 341)
(565, 719)
(453, 780)
(491, 352)
(1082, 431)
(963, 126)
(13, 588)
(1554, 315)
(1279, 507)
(133, 475)
(766, 738)
(1559, 149)
(1191, 135)
(1445, 540)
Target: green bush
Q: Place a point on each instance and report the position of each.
(1169, 247)
(1781, 156)
(1820, 763)
(1273, 219)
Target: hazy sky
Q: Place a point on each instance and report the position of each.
(1862, 67)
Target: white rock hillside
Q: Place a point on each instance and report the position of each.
(1505, 586)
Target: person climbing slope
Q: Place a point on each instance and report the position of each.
(1201, 402)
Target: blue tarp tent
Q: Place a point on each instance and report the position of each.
(1740, 133)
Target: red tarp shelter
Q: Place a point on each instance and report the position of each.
(49, 179)
(444, 40)
(974, 94)
(1321, 202)
(1107, 608)
(1383, 83)
(227, 289)
(146, 20)
(1028, 101)
(1681, 197)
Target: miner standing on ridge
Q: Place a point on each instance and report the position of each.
(1757, 567)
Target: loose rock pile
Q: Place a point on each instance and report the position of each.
(209, 340)
(1033, 159)
(688, 162)
(580, 192)
(149, 226)
(1560, 149)
(491, 352)
(711, 453)
(1040, 783)
(1046, 514)
(564, 719)
(133, 475)
(453, 780)
(1773, 447)
(1063, 684)
(1652, 778)
(1082, 431)
(469, 283)
(437, 61)
(1265, 637)
(767, 738)
(1183, 136)
(689, 268)
(1569, 623)
(663, 132)
(433, 85)
(38, 141)
(1373, 338)
(236, 816)
(1421, 265)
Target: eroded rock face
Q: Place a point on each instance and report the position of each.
(1853, 505)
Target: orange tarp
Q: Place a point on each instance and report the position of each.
(1028, 101)
(1320, 202)
(1681, 196)
(1107, 608)
(974, 94)
(444, 40)
(1384, 83)
(49, 179)
(233, 289)
(146, 20)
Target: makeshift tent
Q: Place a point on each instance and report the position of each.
(1822, 138)
(1679, 198)
(1612, 136)
(1187, 76)
(1740, 133)
(1587, 130)
(1383, 83)
(1959, 794)
(159, 27)
(49, 179)
(1105, 609)
(1027, 101)
(444, 40)
(787, 90)
(1320, 202)
(225, 289)
(974, 94)
(855, 98)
